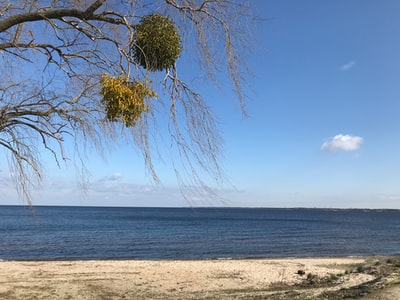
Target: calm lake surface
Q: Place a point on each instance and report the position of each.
(198, 233)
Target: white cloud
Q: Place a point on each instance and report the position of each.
(342, 142)
(348, 66)
(116, 176)
(113, 177)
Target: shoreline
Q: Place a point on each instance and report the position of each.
(272, 278)
(244, 258)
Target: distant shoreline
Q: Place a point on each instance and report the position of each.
(206, 207)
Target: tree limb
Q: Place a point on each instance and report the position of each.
(59, 14)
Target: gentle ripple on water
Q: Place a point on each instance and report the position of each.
(185, 233)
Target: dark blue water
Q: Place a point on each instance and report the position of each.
(201, 233)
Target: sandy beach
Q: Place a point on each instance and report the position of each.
(302, 278)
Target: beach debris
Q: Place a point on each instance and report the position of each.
(301, 272)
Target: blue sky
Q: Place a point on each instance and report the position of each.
(323, 127)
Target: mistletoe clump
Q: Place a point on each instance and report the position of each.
(156, 44)
(125, 100)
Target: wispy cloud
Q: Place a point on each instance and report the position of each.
(389, 197)
(348, 66)
(342, 142)
(8, 189)
(6, 181)
(113, 177)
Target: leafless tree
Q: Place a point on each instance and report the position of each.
(54, 52)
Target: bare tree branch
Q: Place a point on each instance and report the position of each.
(70, 44)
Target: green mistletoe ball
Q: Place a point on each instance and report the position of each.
(156, 44)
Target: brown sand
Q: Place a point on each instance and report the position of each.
(204, 279)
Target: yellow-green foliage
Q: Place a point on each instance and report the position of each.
(124, 100)
(157, 43)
